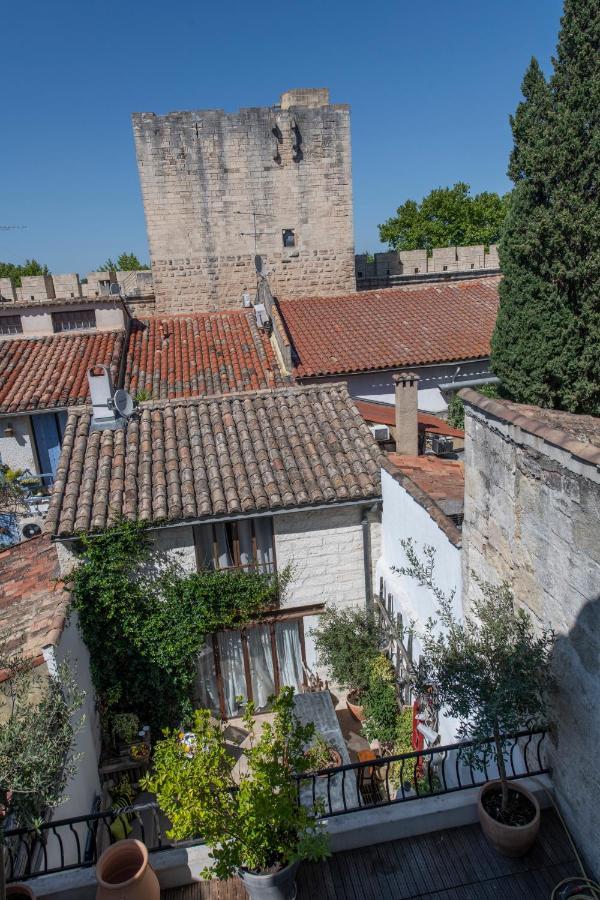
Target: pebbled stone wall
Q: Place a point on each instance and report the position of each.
(532, 516)
(203, 173)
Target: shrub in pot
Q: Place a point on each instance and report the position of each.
(492, 672)
(380, 703)
(347, 642)
(254, 827)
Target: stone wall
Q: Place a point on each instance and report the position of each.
(394, 264)
(532, 511)
(203, 173)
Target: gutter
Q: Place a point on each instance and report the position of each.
(367, 556)
(473, 382)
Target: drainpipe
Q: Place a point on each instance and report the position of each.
(367, 561)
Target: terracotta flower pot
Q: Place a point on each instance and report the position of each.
(124, 873)
(509, 840)
(19, 890)
(352, 704)
(278, 886)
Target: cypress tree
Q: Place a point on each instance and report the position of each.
(546, 346)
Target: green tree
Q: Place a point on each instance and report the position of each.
(490, 669)
(36, 741)
(126, 262)
(16, 272)
(545, 345)
(446, 217)
(254, 822)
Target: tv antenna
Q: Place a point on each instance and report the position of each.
(255, 233)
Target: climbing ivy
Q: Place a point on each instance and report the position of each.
(144, 626)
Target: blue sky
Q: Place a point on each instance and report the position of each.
(431, 85)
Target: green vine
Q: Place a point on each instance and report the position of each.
(144, 627)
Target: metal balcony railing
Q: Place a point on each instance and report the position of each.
(64, 844)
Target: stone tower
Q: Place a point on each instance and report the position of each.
(205, 173)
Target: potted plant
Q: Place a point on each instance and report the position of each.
(380, 704)
(125, 727)
(255, 826)
(346, 642)
(491, 671)
(322, 756)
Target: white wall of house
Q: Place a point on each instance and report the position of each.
(325, 547)
(84, 786)
(175, 546)
(18, 451)
(379, 386)
(402, 518)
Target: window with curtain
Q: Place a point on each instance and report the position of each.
(250, 664)
(242, 544)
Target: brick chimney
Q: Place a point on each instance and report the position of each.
(407, 430)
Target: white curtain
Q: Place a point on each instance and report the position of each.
(232, 670)
(261, 665)
(289, 654)
(263, 529)
(207, 695)
(245, 539)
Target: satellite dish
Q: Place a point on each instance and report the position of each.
(31, 530)
(123, 403)
(258, 264)
(115, 288)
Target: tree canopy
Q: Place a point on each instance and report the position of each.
(446, 217)
(126, 262)
(545, 346)
(16, 271)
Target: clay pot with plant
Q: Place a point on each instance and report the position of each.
(492, 672)
(253, 825)
(346, 642)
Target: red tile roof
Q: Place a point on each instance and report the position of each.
(385, 414)
(199, 355)
(51, 372)
(442, 479)
(33, 604)
(405, 326)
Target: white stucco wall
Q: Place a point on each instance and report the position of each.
(404, 518)
(325, 547)
(84, 786)
(18, 451)
(380, 387)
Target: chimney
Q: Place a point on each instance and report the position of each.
(407, 430)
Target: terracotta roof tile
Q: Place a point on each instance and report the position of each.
(200, 355)
(33, 604)
(441, 479)
(396, 327)
(51, 372)
(218, 456)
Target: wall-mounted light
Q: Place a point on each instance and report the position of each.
(9, 431)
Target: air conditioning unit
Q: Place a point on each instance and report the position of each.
(441, 445)
(380, 432)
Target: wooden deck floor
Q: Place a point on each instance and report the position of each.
(457, 864)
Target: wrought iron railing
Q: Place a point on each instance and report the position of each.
(425, 773)
(64, 844)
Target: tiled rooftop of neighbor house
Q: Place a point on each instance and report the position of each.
(385, 414)
(33, 603)
(392, 328)
(197, 459)
(578, 435)
(51, 372)
(199, 355)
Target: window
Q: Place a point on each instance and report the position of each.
(74, 320)
(289, 238)
(251, 663)
(243, 544)
(11, 325)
